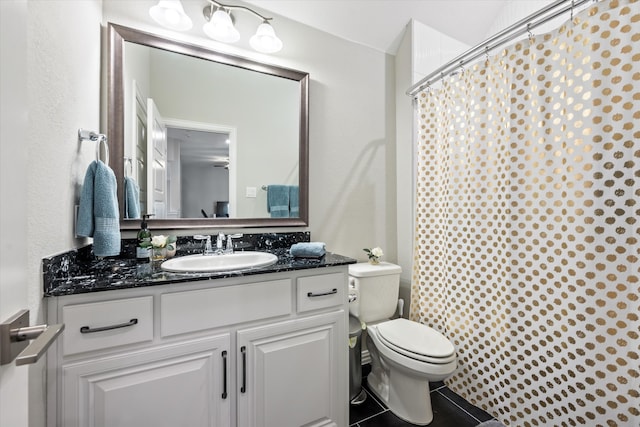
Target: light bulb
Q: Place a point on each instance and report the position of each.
(170, 14)
(220, 28)
(265, 39)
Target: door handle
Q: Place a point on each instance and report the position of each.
(15, 334)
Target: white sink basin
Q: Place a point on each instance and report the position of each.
(215, 263)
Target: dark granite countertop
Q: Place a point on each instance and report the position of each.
(78, 273)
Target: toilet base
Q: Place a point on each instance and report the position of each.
(406, 397)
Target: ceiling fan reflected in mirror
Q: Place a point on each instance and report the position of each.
(221, 162)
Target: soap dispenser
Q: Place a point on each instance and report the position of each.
(143, 244)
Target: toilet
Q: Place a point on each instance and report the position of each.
(405, 355)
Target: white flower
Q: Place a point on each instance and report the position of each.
(159, 241)
(377, 252)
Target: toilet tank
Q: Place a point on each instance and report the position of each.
(376, 288)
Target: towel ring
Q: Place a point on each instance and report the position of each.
(103, 143)
(100, 138)
(128, 172)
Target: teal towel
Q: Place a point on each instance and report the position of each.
(307, 250)
(278, 201)
(99, 215)
(131, 198)
(294, 210)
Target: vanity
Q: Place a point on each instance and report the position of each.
(264, 347)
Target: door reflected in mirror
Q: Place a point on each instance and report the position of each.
(201, 170)
(204, 135)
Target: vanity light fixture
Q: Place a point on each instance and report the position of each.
(170, 14)
(219, 26)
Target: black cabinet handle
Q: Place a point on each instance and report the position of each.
(224, 374)
(243, 351)
(90, 330)
(331, 292)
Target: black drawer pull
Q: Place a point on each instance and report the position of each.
(243, 350)
(224, 374)
(331, 292)
(89, 330)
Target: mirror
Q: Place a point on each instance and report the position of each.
(202, 135)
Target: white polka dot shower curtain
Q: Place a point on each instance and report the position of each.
(527, 225)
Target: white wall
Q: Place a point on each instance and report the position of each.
(200, 179)
(352, 129)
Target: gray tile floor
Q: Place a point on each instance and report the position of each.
(449, 410)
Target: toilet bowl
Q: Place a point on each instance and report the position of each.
(405, 355)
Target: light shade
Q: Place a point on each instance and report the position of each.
(265, 39)
(220, 28)
(170, 14)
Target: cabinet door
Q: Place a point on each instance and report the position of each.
(294, 373)
(174, 385)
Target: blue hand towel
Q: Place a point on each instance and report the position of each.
(308, 250)
(131, 198)
(278, 201)
(294, 210)
(99, 215)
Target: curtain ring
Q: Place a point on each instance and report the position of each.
(572, 5)
(529, 33)
(486, 55)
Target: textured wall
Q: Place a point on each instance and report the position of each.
(63, 78)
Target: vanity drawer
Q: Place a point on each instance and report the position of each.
(315, 292)
(105, 324)
(191, 311)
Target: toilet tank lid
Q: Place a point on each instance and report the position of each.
(365, 269)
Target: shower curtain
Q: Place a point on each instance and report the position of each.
(528, 220)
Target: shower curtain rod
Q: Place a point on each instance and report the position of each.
(508, 34)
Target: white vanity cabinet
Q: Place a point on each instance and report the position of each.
(265, 350)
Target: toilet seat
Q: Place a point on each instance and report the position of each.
(417, 341)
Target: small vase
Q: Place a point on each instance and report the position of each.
(374, 261)
(157, 256)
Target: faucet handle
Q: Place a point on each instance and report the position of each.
(220, 241)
